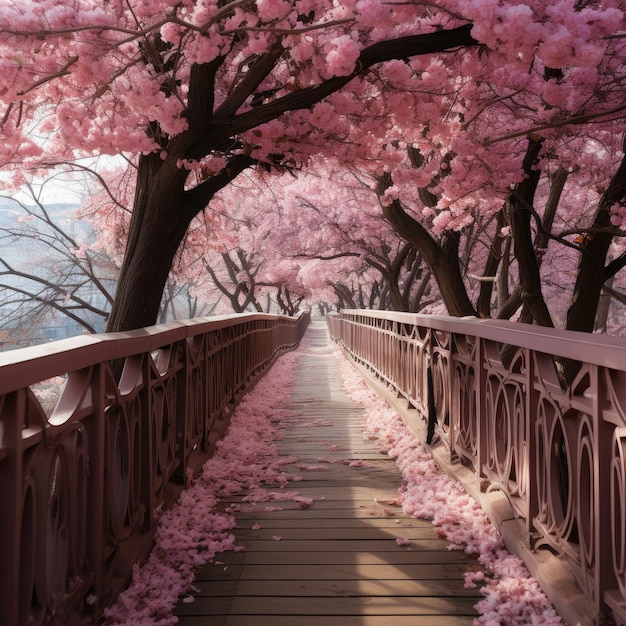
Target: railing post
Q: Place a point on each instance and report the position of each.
(532, 460)
(96, 524)
(13, 569)
(431, 388)
(480, 378)
(603, 508)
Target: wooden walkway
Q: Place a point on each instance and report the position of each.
(337, 562)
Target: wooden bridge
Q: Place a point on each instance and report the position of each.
(337, 562)
(83, 473)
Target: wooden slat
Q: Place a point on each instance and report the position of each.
(329, 606)
(331, 544)
(271, 557)
(337, 562)
(347, 571)
(325, 532)
(316, 620)
(332, 588)
(329, 522)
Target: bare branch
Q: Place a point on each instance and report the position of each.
(576, 119)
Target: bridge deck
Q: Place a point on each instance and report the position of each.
(337, 562)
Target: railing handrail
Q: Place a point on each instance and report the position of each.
(47, 360)
(568, 344)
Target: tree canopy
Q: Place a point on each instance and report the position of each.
(434, 100)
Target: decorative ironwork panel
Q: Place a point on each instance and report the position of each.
(506, 426)
(464, 425)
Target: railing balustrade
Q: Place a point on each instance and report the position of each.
(555, 448)
(81, 483)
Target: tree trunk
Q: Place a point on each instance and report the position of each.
(442, 258)
(604, 305)
(345, 298)
(521, 212)
(594, 249)
(491, 268)
(508, 304)
(392, 276)
(158, 218)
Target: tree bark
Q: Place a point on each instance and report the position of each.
(604, 305)
(162, 212)
(509, 304)
(594, 249)
(521, 213)
(345, 298)
(491, 268)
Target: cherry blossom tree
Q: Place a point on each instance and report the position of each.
(524, 233)
(195, 92)
(303, 232)
(187, 89)
(329, 217)
(241, 271)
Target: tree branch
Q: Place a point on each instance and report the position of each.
(401, 48)
(197, 198)
(576, 119)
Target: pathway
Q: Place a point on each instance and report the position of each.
(337, 562)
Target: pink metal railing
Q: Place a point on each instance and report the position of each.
(556, 449)
(80, 483)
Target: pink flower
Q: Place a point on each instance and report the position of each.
(341, 60)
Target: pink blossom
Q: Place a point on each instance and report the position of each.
(303, 50)
(270, 10)
(373, 13)
(392, 193)
(341, 59)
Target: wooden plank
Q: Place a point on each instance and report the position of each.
(368, 511)
(354, 533)
(370, 493)
(325, 606)
(314, 620)
(332, 545)
(346, 571)
(340, 522)
(395, 557)
(376, 506)
(331, 588)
